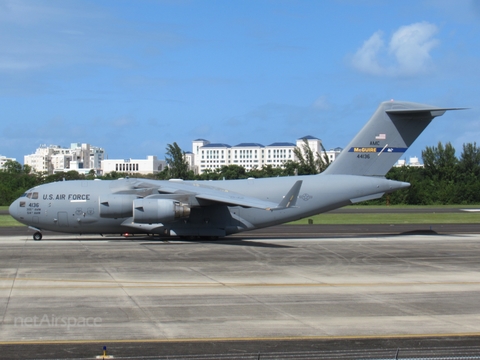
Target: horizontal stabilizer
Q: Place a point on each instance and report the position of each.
(433, 112)
(366, 198)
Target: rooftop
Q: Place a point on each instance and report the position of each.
(250, 145)
(308, 137)
(281, 144)
(217, 145)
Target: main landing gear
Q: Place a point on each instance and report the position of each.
(37, 236)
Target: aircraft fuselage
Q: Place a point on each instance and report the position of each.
(105, 207)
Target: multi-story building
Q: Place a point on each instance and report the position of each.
(4, 159)
(210, 156)
(54, 158)
(206, 155)
(150, 165)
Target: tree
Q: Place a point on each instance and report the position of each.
(310, 163)
(176, 163)
(15, 179)
(440, 161)
(324, 160)
(233, 172)
(64, 176)
(419, 193)
(91, 175)
(267, 171)
(469, 162)
(441, 173)
(468, 186)
(12, 167)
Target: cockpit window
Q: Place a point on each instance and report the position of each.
(35, 195)
(29, 195)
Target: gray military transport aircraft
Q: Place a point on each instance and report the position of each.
(212, 209)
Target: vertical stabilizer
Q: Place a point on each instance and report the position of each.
(385, 138)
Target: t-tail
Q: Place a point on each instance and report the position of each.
(385, 138)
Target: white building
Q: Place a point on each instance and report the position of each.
(4, 159)
(150, 165)
(413, 161)
(212, 156)
(54, 158)
(278, 153)
(206, 155)
(248, 155)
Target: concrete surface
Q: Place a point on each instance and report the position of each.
(69, 288)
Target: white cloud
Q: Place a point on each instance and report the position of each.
(122, 122)
(411, 46)
(321, 103)
(407, 53)
(365, 59)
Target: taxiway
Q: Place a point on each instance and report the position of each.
(266, 286)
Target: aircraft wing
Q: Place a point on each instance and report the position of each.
(218, 195)
(234, 199)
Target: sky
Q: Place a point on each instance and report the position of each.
(134, 76)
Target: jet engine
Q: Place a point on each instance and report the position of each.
(152, 211)
(116, 205)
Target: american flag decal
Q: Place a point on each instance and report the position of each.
(381, 137)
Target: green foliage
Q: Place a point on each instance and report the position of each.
(177, 165)
(14, 180)
(64, 176)
(444, 179)
(114, 175)
(308, 162)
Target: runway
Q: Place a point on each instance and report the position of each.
(67, 296)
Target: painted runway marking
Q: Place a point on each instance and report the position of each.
(161, 284)
(238, 339)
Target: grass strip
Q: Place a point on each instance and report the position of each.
(7, 220)
(391, 218)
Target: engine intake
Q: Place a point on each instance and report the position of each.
(116, 206)
(152, 211)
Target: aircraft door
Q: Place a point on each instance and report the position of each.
(62, 217)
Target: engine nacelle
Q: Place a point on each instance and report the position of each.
(116, 206)
(153, 211)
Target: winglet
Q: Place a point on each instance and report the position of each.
(291, 198)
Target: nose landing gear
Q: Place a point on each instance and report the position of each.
(37, 236)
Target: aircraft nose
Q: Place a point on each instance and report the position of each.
(13, 209)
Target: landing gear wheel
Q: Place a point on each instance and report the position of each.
(37, 236)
